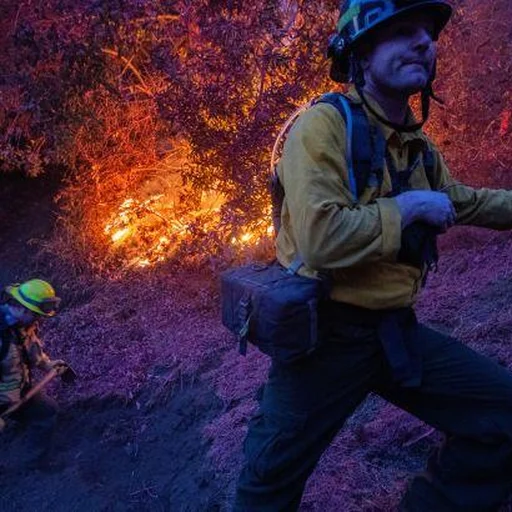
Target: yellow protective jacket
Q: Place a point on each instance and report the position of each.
(25, 352)
(360, 244)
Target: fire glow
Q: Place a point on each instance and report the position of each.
(148, 232)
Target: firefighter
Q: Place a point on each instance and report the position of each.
(376, 253)
(21, 351)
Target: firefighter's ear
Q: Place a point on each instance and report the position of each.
(363, 60)
(363, 54)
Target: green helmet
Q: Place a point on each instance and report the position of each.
(36, 295)
(359, 17)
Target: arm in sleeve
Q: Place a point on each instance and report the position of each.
(330, 232)
(34, 347)
(476, 207)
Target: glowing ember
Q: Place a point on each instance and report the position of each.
(119, 235)
(148, 232)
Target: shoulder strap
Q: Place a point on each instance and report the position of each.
(366, 148)
(345, 107)
(3, 351)
(400, 180)
(429, 165)
(366, 145)
(5, 344)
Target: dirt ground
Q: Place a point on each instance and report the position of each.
(158, 423)
(117, 457)
(129, 453)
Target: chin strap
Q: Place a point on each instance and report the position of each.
(426, 94)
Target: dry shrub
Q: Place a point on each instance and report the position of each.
(183, 101)
(473, 128)
(129, 83)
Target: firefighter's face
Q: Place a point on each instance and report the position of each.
(20, 315)
(402, 56)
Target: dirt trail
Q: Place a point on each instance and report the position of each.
(114, 456)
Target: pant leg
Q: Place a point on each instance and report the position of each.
(39, 415)
(469, 397)
(302, 409)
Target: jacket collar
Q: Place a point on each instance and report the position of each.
(390, 134)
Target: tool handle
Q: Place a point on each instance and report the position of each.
(33, 391)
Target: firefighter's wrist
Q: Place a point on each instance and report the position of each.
(45, 366)
(408, 209)
(57, 365)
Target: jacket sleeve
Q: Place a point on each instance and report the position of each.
(329, 231)
(34, 346)
(477, 207)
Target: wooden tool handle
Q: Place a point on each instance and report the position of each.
(33, 391)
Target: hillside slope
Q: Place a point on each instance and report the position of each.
(157, 419)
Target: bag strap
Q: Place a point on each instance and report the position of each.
(244, 319)
(429, 165)
(5, 348)
(366, 144)
(400, 180)
(365, 154)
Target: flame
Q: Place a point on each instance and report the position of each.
(118, 236)
(262, 228)
(146, 232)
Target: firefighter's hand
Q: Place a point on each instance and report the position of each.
(58, 365)
(434, 208)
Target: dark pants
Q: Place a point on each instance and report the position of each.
(39, 416)
(304, 405)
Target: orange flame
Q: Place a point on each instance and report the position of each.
(148, 232)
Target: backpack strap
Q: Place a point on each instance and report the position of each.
(400, 180)
(366, 144)
(365, 153)
(4, 348)
(429, 166)
(343, 106)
